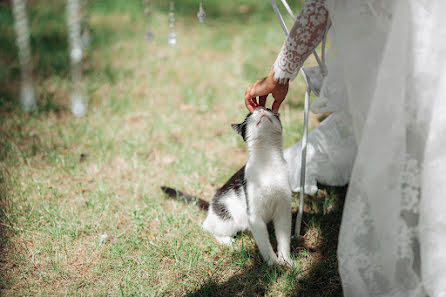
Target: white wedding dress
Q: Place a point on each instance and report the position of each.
(386, 137)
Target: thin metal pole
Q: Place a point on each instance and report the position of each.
(324, 42)
(303, 163)
(279, 17)
(290, 12)
(319, 62)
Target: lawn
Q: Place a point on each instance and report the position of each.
(81, 211)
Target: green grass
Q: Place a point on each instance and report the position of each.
(157, 116)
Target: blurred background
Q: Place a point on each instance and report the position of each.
(81, 212)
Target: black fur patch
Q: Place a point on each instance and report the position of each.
(220, 210)
(235, 183)
(241, 128)
(186, 198)
(246, 198)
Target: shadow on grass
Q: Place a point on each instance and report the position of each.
(320, 277)
(249, 282)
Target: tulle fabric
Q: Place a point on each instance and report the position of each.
(386, 77)
(330, 152)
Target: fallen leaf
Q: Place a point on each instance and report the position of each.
(168, 159)
(186, 107)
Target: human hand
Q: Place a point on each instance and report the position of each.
(262, 88)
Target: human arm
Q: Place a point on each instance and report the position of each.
(308, 30)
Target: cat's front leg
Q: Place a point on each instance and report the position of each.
(282, 227)
(260, 232)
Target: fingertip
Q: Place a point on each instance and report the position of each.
(275, 107)
(251, 107)
(262, 100)
(250, 104)
(253, 91)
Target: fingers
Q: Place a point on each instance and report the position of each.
(251, 103)
(279, 95)
(259, 89)
(262, 100)
(276, 106)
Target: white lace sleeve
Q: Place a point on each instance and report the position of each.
(307, 32)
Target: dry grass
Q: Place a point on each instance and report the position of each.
(157, 115)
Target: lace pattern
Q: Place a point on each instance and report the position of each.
(307, 32)
(385, 69)
(364, 251)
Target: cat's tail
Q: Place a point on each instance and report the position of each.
(180, 196)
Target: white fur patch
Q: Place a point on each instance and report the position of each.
(267, 188)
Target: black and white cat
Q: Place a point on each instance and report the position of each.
(256, 194)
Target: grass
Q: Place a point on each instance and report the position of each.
(157, 116)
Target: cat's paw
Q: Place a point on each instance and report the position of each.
(296, 237)
(285, 260)
(271, 260)
(225, 240)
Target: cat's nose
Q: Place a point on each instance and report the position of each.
(260, 111)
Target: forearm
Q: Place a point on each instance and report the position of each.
(307, 32)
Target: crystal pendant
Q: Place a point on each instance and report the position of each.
(84, 20)
(76, 54)
(149, 36)
(201, 14)
(172, 39)
(85, 39)
(148, 13)
(27, 96)
(78, 104)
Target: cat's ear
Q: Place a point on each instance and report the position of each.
(240, 129)
(237, 128)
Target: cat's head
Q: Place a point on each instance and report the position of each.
(261, 123)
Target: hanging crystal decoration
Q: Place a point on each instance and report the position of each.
(85, 20)
(148, 13)
(172, 37)
(201, 14)
(78, 104)
(27, 96)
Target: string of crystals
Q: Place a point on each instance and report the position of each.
(78, 104)
(172, 37)
(27, 96)
(148, 13)
(85, 20)
(201, 14)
